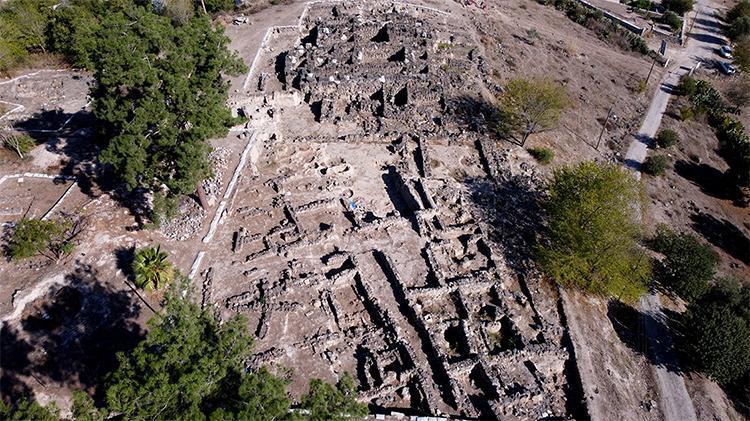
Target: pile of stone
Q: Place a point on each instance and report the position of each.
(187, 223)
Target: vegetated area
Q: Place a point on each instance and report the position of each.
(356, 218)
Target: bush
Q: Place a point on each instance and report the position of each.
(687, 86)
(688, 265)
(738, 20)
(594, 231)
(687, 113)
(667, 138)
(216, 6)
(51, 239)
(742, 54)
(642, 4)
(717, 333)
(21, 144)
(678, 6)
(672, 19)
(641, 86)
(656, 165)
(543, 155)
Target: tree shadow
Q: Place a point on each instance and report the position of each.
(74, 138)
(512, 208)
(71, 335)
(709, 179)
(471, 112)
(723, 234)
(633, 328)
(124, 257)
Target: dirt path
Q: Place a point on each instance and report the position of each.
(703, 39)
(675, 400)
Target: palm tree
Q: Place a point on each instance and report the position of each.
(152, 269)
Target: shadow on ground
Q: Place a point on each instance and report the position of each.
(69, 337)
(74, 138)
(710, 180)
(630, 325)
(723, 234)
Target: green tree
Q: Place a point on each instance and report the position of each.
(688, 266)
(74, 31)
(28, 409)
(594, 231)
(528, 106)
(84, 408)
(152, 269)
(717, 333)
(25, 22)
(161, 94)
(326, 402)
(188, 364)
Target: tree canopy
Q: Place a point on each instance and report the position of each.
(528, 106)
(688, 266)
(594, 231)
(717, 332)
(327, 402)
(187, 364)
(160, 92)
(192, 366)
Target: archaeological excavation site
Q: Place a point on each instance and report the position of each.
(358, 239)
(345, 209)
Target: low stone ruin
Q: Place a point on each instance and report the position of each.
(355, 241)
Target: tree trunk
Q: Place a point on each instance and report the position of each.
(202, 197)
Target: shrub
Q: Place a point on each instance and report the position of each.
(543, 155)
(687, 86)
(21, 144)
(717, 333)
(742, 53)
(667, 138)
(739, 28)
(642, 4)
(688, 265)
(686, 113)
(594, 231)
(51, 239)
(672, 19)
(655, 165)
(152, 269)
(216, 6)
(641, 86)
(678, 6)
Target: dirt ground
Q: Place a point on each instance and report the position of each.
(313, 293)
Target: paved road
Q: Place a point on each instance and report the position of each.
(704, 38)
